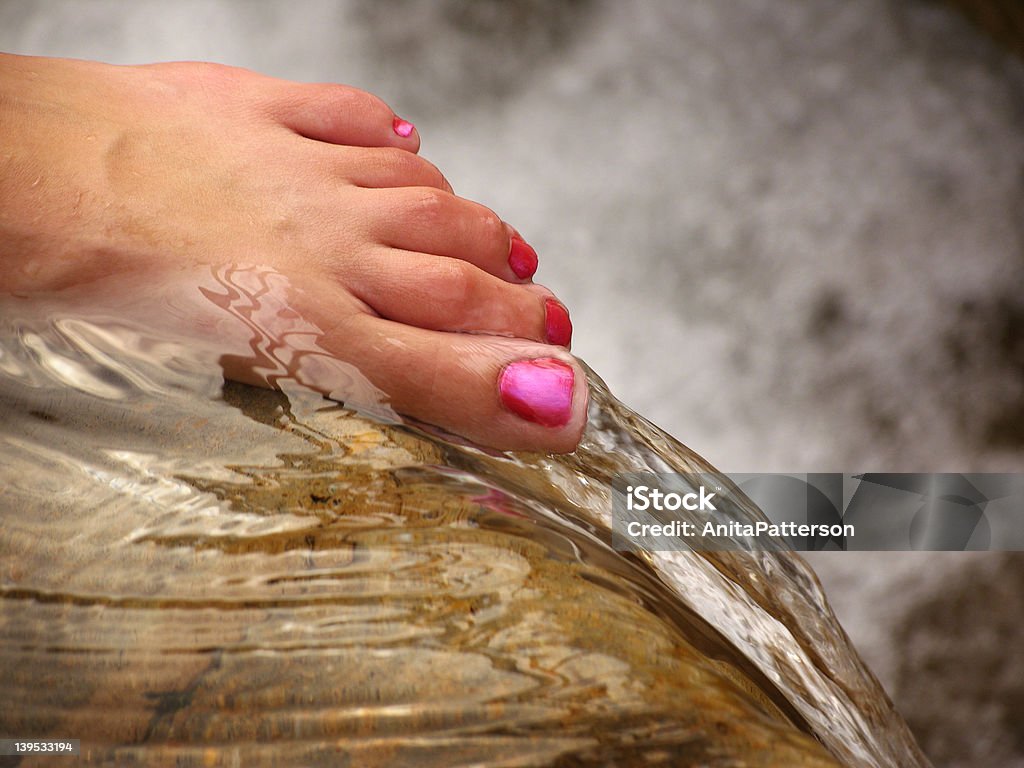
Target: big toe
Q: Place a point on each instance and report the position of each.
(503, 393)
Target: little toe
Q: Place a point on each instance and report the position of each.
(339, 114)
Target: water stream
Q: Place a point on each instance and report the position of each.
(200, 572)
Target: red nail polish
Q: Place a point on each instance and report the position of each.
(538, 390)
(402, 127)
(557, 324)
(522, 258)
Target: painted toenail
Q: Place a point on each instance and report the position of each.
(522, 258)
(538, 390)
(402, 127)
(557, 324)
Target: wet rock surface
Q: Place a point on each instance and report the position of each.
(279, 581)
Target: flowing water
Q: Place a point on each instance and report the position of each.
(195, 572)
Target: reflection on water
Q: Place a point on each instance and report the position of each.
(201, 573)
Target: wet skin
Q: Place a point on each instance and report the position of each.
(141, 172)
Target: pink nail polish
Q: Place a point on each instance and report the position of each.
(402, 127)
(522, 258)
(538, 390)
(558, 326)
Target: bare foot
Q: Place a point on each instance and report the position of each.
(137, 170)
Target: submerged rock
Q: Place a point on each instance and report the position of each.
(207, 573)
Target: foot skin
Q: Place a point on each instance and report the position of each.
(137, 170)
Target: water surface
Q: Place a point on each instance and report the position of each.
(199, 572)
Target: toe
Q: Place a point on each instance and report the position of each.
(503, 393)
(380, 167)
(509, 394)
(338, 114)
(432, 221)
(446, 294)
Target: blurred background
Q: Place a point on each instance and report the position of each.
(790, 232)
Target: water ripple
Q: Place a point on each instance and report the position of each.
(197, 572)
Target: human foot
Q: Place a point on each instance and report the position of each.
(137, 170)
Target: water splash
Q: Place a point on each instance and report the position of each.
(199, 570)
(768, 605)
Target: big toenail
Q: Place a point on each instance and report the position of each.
(557, 324)
(402, 127)
(522, 258)
(538, 390)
